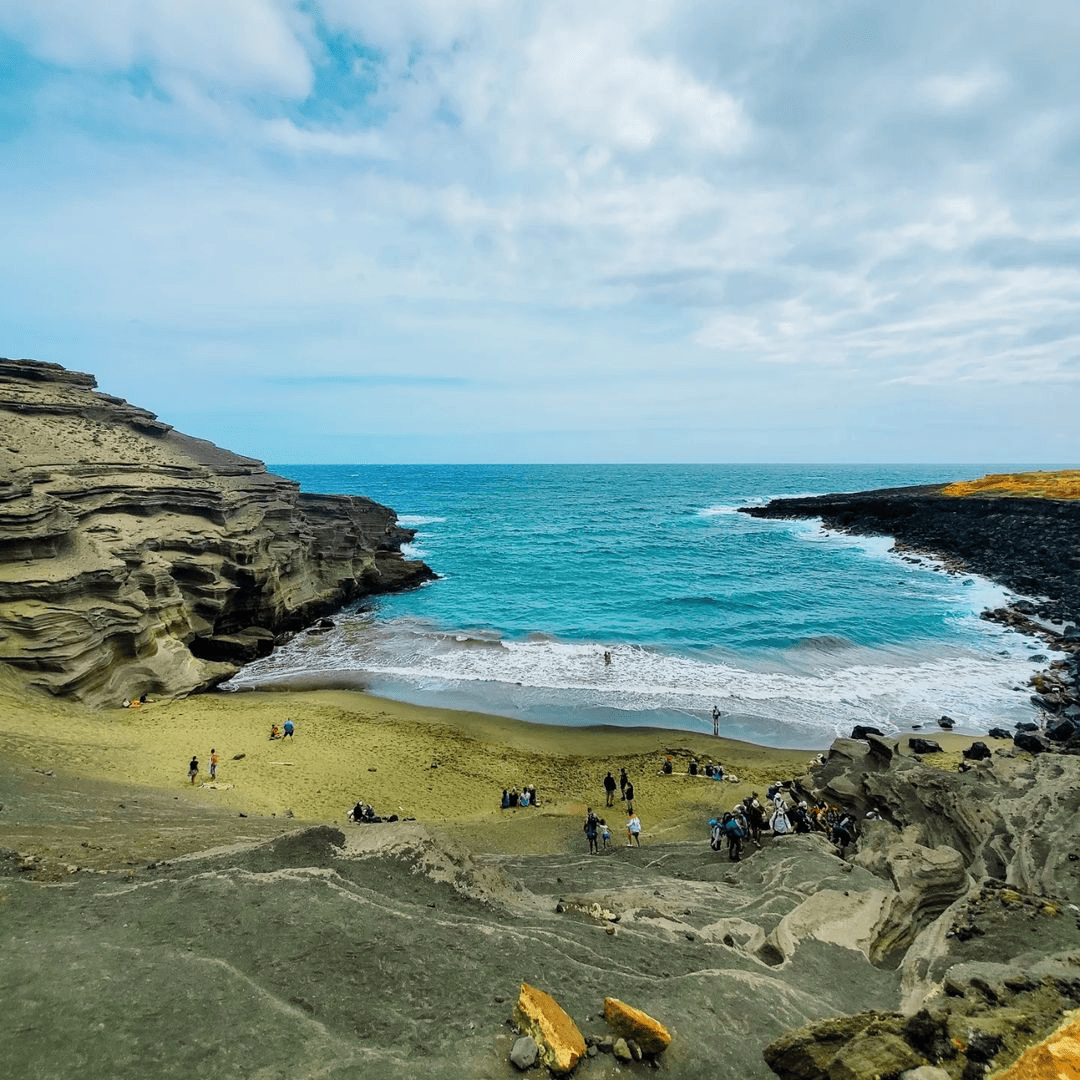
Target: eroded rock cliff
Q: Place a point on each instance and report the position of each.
(135, 559)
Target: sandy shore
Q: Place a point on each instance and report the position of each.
(442, 767)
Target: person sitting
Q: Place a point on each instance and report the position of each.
(356, 814)
(524, 800)
(274, 732)
(531, 789)
(667, 767)
(515, 795)
(692, 767)
(505, 805)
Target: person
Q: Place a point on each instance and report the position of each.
(274, 733)
(692, 767)
(755, 817)
(213, 763)
(356, 814)
(628, 795)
(524, 800)
(607, 657)
(193, 768)
(591, 828)
(633, 828)
(505, 800)
(533, 801)
(605, 834)
(843, 832)
(289, 729)
(779, 822)
(623, 781)
(716, 720)
(667, 766)
(735, 831)
(609, 789)
(514, 796)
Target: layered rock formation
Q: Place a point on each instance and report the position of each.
(135, 559)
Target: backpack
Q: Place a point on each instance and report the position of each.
(733, 828)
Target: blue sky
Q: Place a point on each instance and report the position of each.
(473, 230)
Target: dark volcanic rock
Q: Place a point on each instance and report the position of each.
(924, 746)
(860, 731)
(139, 560)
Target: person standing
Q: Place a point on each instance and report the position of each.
(623, 781)
(633, 829)
(213, 763)
(288, 728)
(609, 789)
(716, 720)
(193, 768)
(590, 827)
(628, 795)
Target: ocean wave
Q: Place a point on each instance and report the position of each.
(413, 521)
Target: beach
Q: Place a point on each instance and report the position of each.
(444, 768)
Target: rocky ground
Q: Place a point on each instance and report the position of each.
(949, 937)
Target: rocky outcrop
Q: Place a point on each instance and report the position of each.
(560, 1043)
(135, 559)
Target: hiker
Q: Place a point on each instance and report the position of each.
(213, 763)
(609, 789)
(843, 832)
(193, 768)
(799, 818)
(755, 817)
(628, 795)
(779, 822)
(289, 728)
(605, 834)
(735, 832)
(591, 828)
(623, 781)
(633, 828)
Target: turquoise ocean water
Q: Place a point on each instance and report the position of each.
(794, 632)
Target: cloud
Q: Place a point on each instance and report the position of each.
(553, 215)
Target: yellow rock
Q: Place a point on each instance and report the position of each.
(631, 1023)
(560, 1042)
(1056, 1058)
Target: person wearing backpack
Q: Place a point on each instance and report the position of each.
(590, 829)
(735, 830)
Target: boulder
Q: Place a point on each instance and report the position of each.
(1049, 1059)
(1026, 740)
(561, 1044)
(635, 1025)
(860, 731)
(1061, 731)
(923, 746)
(999, 733)
(977, 751)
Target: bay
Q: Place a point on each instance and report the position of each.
(794, 632)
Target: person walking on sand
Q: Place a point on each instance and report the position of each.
(623, 781)
(213, 763)
(628, 795)
(633, 829)
(193, 768)
(609, 789)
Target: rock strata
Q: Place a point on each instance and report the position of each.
(137, 560)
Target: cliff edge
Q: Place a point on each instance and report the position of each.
(135, 559)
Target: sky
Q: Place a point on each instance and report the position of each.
(320, 231)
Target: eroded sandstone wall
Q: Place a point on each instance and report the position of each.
(135, 559)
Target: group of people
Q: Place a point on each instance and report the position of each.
(284, 732)
(193, 765)
(625, 786)
(713, 772)
(525, 797)
(597, 831)
(749, 819)
(364, 814)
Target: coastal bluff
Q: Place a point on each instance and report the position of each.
(138, 560)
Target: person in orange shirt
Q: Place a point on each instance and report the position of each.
(213, 764)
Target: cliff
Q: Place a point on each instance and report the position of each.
(135, 559)
(1030, 545)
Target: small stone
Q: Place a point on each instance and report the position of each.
(622, 1051)
(635, 1050)
(592, 1050)
(525, 1053)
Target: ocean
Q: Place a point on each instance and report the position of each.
(795, 633)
